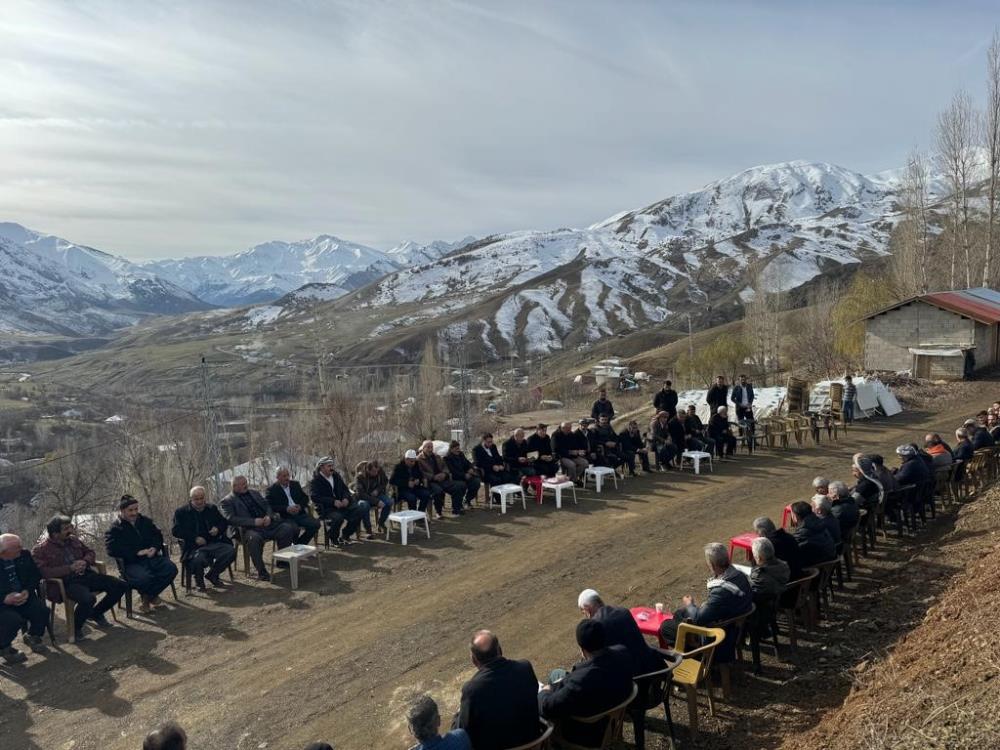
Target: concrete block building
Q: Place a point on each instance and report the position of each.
(945, 335)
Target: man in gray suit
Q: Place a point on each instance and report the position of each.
(247, 510)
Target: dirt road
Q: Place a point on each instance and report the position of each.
(261, 667)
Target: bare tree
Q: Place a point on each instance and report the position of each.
(911, 251)
(813, 336)
(991, 135)
(75, 482)
(762, 318)
(956, 130)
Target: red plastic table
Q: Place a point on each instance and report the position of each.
(786, 514)
(536, 483)
(743, 541)
(649, 621)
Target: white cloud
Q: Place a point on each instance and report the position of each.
(203, 127)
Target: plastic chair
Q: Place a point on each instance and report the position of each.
(691, 672)
(653, 690)
(824, 584)
(795, 601)
(725, 669)
(764, 618)
(612, 731)
(544, 741)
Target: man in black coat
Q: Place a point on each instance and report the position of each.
(336, 505)
(811, 535)
(499, 707)
(488, 460)
(248, 513)
(785, 546)
(19, 602)
(603, 406)
(718, 394)
(540, 443)
(138, 543)
(599, 682)
(515, 455)
(666, 399)
(289, 501)
(620, 629)
(201, 529)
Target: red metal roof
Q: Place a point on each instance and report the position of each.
(968, 303)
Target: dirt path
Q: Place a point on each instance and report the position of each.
(263, 667)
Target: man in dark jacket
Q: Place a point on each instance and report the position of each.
(409, 482)
(490, 462)
(372, 485)
(499, 707)
(981, 438)
(571, 454)
(602, 407)
(843, 507)
(19, 602)
(439, 481)
(912, 470)
(62, 555)
(607, 444)
(515, 455)
(696, 437)
(620, 629)
(742, 398)
(204, 542)
(597, 683)
(138, 543)
(718, 395)
(632, 444)
(664, 448)
(666, 398)
(546, 464)
(785, 546)
(718, 430)
(248, 513)
(462, 469)
(289, 501)
(811, 535)
(342, 512)
(729, 595)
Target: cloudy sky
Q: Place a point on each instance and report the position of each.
(171, 128)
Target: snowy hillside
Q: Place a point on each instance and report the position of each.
(265, 272)
(538, 291)
(51, 285)
(410, 253)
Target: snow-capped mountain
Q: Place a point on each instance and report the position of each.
(51, 285)
(533, 292)
(265, 272)
(410, 253)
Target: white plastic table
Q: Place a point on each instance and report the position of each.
(406, 519)
(598, 473)
(293, 554)
(557, 488)
(503, 491)
(696, 457)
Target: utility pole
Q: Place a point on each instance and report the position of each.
(211, 430)
(464, 404)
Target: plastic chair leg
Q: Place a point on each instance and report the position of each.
(692, 701)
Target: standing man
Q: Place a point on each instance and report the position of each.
(19, 602)
(204, 542)
(138, 543)
(336, 505)
(289, 501)
(850, 394)
(602, 406)
(718, 394)
(247, 511)
(742, 398)
(62, 555)
(666, 399)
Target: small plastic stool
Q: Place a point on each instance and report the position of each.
(535, 482)
(406, 519)
(696, 457)
(557, 488)
(598, 473)
(744, 542)
(503, 491)
(292, 555)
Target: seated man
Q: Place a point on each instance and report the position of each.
(515, 456)
(823, 510)
(287, 498)
(912, 470)
(937, 450)
(843, 508)
(62, 555)
(821, 485)
(248, 513)
(607, 443)
(963, 451)
(499, 707)
(490, 463)
(810, 533)
(633, 444)
(342, 512)
(371, 485)
(869, 488)
(409, 482)
(138, 543)
(462, 469)
(601, 680)
(439, 481)
(571, 455)
(19, 602)
(729, 595)
(546, 463)
(666, 450)
(620, 629)
(786, 548)
(205, 544)
(769, 575)
(424, 722)
(718, 430)
(694, 430)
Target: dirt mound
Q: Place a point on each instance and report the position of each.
(937, 688)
